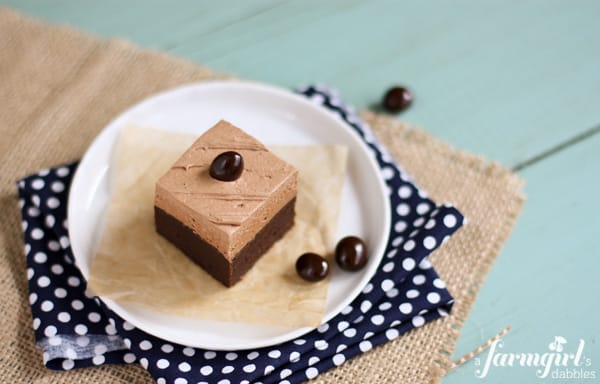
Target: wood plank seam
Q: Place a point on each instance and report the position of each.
(556, 149)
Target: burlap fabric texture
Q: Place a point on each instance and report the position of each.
(60, 87)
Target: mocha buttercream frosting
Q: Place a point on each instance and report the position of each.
(226, 214)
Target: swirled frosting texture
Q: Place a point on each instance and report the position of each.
(226, 214)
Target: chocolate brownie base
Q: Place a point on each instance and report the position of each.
(213, 261)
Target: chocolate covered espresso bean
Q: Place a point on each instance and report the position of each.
(312, 267)
(227, 166)
(351, 253)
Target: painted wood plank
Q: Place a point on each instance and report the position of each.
(505, 81)
(545, 283)
(151, 23)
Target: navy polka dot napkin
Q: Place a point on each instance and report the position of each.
(75, 329)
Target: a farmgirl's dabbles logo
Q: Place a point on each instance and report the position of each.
(561, 361)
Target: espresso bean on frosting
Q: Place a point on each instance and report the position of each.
(312, 267)
(227, 166)
(351, 253)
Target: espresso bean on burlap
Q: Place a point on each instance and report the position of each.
(59, 88)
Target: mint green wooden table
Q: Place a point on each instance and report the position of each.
(518, 82)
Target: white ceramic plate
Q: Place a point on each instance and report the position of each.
(274, 116)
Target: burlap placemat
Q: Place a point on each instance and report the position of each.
(59, 87)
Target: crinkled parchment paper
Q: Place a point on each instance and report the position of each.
(134, 264)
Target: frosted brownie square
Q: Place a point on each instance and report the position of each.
(226, 226)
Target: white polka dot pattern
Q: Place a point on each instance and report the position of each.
(69, 340)
(77, 330)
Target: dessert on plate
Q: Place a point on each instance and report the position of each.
(226, 201)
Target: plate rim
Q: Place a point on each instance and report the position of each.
(117, 123)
